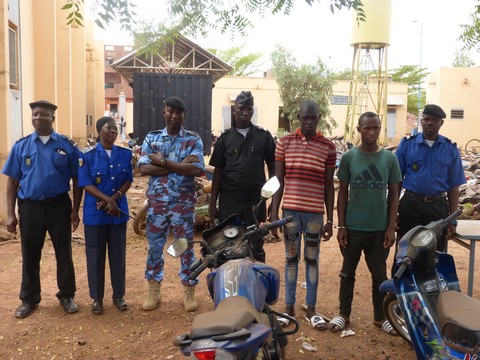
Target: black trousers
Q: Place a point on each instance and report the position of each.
(371, 244)
(229, 204)
(36, 219)
(97, 238)
(414, 211)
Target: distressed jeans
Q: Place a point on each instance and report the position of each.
(309, 225)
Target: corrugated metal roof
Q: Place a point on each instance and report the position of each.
(178, 56)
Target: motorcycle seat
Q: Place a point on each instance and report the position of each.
(231, 314)
(458, 318)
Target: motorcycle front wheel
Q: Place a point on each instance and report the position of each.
(394, 315)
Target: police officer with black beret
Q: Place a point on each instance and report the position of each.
(39, 169)
(432, 174)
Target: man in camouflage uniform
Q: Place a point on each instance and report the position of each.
(172, 157)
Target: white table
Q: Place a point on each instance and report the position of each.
(468, 231)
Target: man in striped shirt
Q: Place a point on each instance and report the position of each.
(304, 165)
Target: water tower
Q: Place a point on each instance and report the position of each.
(368, 81)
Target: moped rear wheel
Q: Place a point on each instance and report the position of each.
(394, 315)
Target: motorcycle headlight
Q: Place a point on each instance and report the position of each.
(423, 238)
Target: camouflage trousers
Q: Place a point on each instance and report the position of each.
(161, 218)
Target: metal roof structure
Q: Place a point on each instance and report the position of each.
(177, 56)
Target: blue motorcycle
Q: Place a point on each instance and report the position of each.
(242, 326)
(424, 303)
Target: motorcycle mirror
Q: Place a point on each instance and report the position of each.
(178, 247)
(270, 188)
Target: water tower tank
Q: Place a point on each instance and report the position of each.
(374, 32)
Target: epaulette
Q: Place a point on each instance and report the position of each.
(23, 138)
(410, 137)
(70, 140)
(260, 128)
(191, 133)
(450, 141)
(155, 131)
(88, 149)
(124, 148)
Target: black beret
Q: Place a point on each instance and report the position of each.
(176, 103)
(44, 104)
(102, 121)
(245, 98)
(435, 111)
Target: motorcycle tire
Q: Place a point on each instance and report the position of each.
(140, 221)
(394, 315)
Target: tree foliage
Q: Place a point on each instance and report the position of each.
(471, 32)
(413, 75)
(243, 65)
(193, 17)
(462, 59)
(305, 82)
(345, 74)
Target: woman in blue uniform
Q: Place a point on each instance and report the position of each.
(106, 175)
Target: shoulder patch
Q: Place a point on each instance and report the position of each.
(124, 148)
(70, 140)
(191, 133)
(87, 150)
(23, 138)
(410, 137)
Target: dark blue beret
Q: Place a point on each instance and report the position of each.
(176, 103)
(102, 121)
(44, 104)
(245, 98)
(435, 111)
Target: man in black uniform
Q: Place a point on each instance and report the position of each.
(239, 158)
(39, 169)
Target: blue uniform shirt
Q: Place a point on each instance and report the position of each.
(43, 170)
(172, 187)
(429, 170)
(107, 174)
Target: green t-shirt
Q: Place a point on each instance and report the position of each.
(368, 175)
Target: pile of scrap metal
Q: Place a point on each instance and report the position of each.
(470, 192)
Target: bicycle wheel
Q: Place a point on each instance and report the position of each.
(473, 147)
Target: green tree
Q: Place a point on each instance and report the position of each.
(243, 65)
(462, 59)
(302, 82)
(344, 74)
(471, 32)
(413, 75)
(190, 17)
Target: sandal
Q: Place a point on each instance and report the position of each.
(386, 327)
(317, 322)
(337, 324)
(283, 321)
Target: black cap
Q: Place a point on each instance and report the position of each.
(245, 98)
(102, 121)
(435, 111)
(44, 104)
(176, 103)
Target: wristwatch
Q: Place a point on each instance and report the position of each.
(163, 162)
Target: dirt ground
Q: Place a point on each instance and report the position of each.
(136, 334)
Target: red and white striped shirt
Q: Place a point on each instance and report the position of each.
(305, 167)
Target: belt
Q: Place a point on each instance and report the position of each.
(43, 202)
(426, 198)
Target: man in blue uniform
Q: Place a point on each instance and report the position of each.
(432, 173)
(39, 169)
(172, 157)
(239, 158)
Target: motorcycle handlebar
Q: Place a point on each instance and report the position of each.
(194, 274)
(405, 264)
(278, 223)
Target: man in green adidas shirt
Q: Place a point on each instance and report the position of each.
(366, 217)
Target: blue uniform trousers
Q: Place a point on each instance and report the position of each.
(97, 238)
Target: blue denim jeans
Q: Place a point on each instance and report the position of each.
(309, 225)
